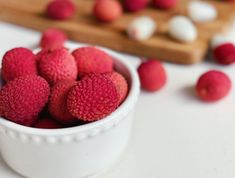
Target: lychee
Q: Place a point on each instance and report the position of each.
(165, 4)
(213, 86)
(58, 102)
(120, 83)
(60, 9)
(107, 10)
(47, 123)
(22, 99)
(46, 51)
(18, 62)
(57, 65)
(135, 5)
(53, 38)
(94, 97)
(92, 60)
(152, 75)
(224, 53)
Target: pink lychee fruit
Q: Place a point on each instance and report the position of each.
(18, 62)
(94, 97)
(22, 99)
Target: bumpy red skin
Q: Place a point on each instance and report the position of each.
(22, 99)
(92, 60)
(152, 75)
(93, 98)
(135, 5)
(18, 62)
(57, 65)
(107, 10)
(47, 123)
(58, 102)
(165, 4)
(120, 83)
(60, 9)
(53, 38)
(46, 51)
(213, 86)
(225, 54)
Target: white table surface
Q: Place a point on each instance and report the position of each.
(175, 135)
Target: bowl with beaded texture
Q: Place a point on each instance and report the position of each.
(73, 152)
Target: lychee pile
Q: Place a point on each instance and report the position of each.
(107, 10)
(111, 10)
(55, 88)
(142, 27)
(104, 10)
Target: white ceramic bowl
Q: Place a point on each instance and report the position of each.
(74, 152)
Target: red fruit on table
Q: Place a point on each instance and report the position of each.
(213, 86)
(60, 9)
(135, 5)
(107, 10)
(165, 4)
(224, 53)
(152, 75)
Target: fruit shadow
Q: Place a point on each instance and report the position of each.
(189, 94)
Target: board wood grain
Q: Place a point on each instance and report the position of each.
(83, 27)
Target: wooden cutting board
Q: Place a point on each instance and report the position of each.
(84, 28)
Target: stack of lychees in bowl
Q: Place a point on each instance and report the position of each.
(81, 86)
(82, 101)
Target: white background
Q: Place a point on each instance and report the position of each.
(175, 135)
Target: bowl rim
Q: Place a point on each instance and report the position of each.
(123, 109)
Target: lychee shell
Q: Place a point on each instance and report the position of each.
(93, 98)
(22, 99)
